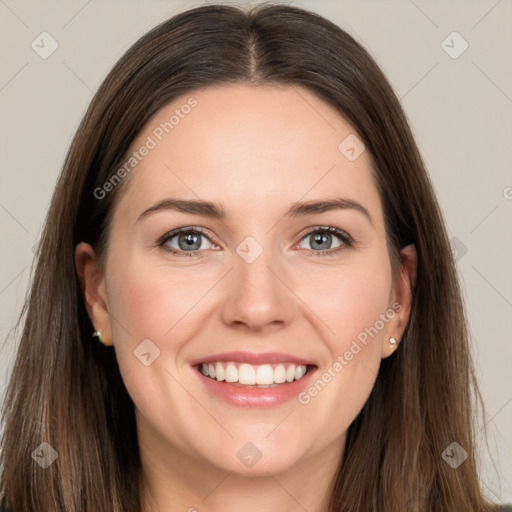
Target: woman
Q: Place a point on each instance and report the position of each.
(251, 372)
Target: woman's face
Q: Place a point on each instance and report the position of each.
(261, 292)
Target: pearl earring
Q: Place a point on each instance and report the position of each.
(99, 336)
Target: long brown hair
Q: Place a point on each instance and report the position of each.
(65, 389)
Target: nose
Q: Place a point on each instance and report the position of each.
(257, 297)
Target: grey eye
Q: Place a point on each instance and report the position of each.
(320, 240)
(187, 241)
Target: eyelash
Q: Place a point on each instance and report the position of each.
(346, 240)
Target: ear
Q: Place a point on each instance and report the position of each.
(93, 287)
(401, 299)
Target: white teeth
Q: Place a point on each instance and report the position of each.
(279, 374)
(264, 374)
(219, 372)
(249, 375)
(231, 373)
(299, 373)
(246, 374)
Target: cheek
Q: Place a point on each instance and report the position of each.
(350, 301)
(352, 304)
(153, 301)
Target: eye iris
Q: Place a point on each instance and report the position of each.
(319, 238)
(191, 241)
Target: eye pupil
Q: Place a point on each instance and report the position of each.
(190, 240)
(320, 238)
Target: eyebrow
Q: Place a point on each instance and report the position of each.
(215, 211)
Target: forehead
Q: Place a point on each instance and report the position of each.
(249, 146)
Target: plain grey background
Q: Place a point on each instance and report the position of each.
(449, 63)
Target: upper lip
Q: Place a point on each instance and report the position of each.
(255, 359)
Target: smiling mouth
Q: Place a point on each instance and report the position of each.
(254, 376)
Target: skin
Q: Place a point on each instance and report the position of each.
(255, 150)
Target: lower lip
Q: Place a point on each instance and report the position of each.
(256, 397)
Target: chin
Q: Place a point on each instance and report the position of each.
(254, 459)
